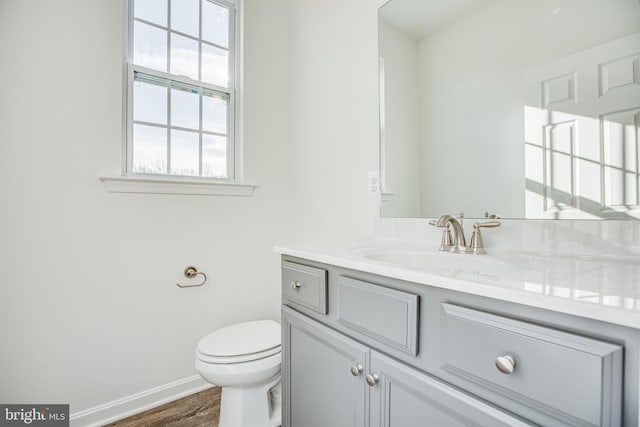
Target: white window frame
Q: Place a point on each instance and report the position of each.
(178, 184)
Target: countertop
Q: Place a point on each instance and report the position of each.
(604, 288)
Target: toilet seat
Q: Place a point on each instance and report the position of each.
(237, 359)
(242, 342)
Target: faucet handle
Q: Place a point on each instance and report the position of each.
(477, 243)
(488, 224)
(447, 241)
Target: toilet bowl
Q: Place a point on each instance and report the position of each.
(244, 359)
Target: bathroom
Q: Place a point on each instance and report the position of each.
(90, 314)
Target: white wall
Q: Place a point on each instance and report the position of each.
(89, 309)
(473, 94)
(402, 122)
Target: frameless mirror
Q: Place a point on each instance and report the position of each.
(519, 108)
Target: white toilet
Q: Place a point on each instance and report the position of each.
(244, 359)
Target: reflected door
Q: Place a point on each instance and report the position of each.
(582, 115)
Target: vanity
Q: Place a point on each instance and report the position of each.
(395, 333)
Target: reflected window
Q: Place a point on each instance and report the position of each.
(180, 91)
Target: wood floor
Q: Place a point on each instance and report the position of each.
(198, 410)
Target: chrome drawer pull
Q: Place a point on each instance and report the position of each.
(295, 285)
(505, 364)
(356, 369)
(372, 379)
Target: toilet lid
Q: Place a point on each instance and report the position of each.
(241, 339)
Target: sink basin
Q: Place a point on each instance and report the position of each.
(423, 257)
(435, 260)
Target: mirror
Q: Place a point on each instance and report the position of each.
(515, 108)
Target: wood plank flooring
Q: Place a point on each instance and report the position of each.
(198, 410)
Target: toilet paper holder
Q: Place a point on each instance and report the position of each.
(190, 272)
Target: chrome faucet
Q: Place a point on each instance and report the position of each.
(459, 244)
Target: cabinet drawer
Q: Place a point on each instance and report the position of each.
(304, 286)
(558, 378)
(387, 315)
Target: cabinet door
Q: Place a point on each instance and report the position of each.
(320, 389)
(405, 397)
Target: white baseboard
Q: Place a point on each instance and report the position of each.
(139, 402)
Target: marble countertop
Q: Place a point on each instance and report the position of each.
(605, 288)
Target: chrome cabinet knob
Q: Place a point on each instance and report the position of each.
(295, 285)
(505, 364)
(372, 379)
(356, 369)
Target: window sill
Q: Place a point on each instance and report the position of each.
(128, 184)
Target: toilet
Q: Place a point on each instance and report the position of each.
(244, 359)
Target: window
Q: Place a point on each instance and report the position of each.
(180, 89)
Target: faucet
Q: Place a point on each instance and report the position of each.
(459, 244)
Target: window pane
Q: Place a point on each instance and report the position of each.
(214, 156)
(215, 24)
(184, 56)
(214, 114)
(215, 67)
(149, 102)
(185, 16)
(150, 46)
(149, 149)
(151, 10)
(184, 153)
(185, 109)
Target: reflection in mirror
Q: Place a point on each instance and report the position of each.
(520, 108)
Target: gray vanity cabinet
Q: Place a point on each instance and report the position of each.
(361, 350)
(323, 373)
